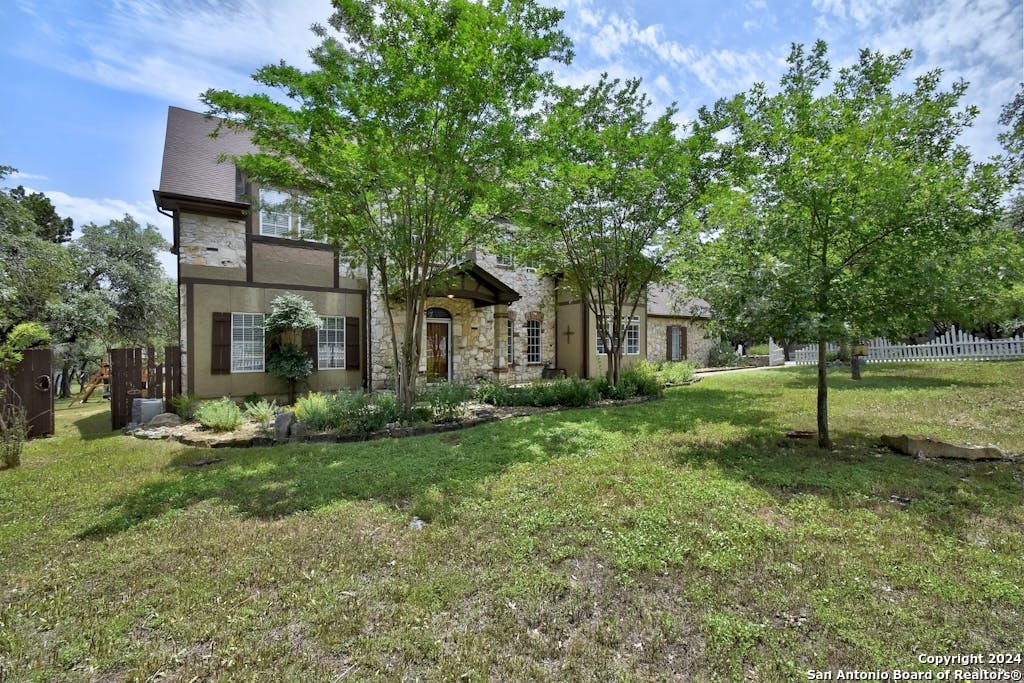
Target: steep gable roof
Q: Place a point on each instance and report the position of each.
(191, 163)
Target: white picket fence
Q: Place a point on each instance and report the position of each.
(776, 354)
(953, 345)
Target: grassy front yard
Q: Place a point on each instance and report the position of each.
(668, 540)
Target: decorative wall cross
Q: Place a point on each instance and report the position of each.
(568, 334)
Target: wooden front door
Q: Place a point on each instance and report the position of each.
(438, 333)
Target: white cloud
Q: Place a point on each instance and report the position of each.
(19, 175)
(176, 50)
(662, 84)
(85, 210)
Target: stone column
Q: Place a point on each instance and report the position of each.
(500, 337)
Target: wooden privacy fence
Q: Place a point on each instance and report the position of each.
(31, 387)
(135, 373)
(953, 345)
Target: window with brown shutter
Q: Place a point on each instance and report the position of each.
(309, 345)
(675, 342)
(220, 356)
(352, 336)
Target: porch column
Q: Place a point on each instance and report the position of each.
(500, 337)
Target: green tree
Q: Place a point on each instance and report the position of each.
(401, 135)
(290, 314)
(48, 224)
(31, 268)
(118, 261)
(853, 198)
(115, 293)
(601, 187)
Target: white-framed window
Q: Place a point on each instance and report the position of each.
(675, 343)
(276, 218)
(631, 343)
(279, 217)
(247, 342)
(533, 339)
(505, 261)
(511, 343)
(330, 351)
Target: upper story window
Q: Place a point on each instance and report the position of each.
(279, 217)
(504, 261)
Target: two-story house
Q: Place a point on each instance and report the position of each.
(495, 320)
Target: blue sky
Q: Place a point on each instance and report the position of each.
(87, 84)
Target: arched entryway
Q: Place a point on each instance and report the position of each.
(439, 345)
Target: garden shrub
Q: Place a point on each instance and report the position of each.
(576, 392)
(676, 372)
(185, 405)
(319, 412)
(573, 392)
(494, 393)
(261, 412)
(722, 355)
(13, 434)
(644, 379)
(220, 416)
(447, 400)
(351, 412)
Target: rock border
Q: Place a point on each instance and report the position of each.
(204, 439)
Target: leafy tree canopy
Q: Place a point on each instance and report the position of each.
(601, 187)
(848, 199)
(401, 135)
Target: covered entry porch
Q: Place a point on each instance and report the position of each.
(466, 327)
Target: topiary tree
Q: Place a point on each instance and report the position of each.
(290, 314)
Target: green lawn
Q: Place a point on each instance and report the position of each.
(667, 540)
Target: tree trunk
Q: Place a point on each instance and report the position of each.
(65, 381)
(823, 440)
(855, 367)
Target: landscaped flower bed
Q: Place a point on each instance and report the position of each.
(356, 416)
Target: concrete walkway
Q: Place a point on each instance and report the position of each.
(707, 372)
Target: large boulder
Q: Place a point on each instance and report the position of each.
(927, 447)
(282, 424)
(164, 420)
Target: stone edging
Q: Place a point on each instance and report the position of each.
(227, 441)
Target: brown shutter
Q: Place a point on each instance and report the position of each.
(668, 343)
(220, 356)
(309, 345)
(352, 356)
(682, 342)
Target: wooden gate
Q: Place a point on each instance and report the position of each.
(31, 387)
(134, 373)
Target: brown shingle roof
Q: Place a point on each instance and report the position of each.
(672, 300)
(191, 165)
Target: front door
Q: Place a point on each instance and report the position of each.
(438, 354)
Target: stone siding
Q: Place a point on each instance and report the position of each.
(474, 337)
(697, 343)
(211, 241)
